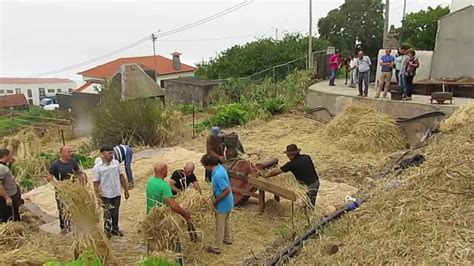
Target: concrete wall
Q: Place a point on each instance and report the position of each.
(453, 56)
(49, 89)
(423, 71)
(176, 92)
(159, 78)
(459, 4)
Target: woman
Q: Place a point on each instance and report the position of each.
(398, 66)
(347, 69)
(410, 73)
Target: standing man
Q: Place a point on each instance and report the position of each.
(353, 69)
(302, 168)
(10, 196)
(363, 68)
(403, 68)
(158, 192)
(387, 63)
(181, 179)
(334, 62)
(63, 169)
(123, 153)
(215, 148)
(108, 178)
(223, 202)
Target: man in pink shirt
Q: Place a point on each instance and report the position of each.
(334, 62)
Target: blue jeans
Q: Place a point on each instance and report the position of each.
(364, 78)
(403, 83)
(397, 76)
(128, 164)
(332, 78)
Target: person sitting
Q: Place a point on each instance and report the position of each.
(182, 178)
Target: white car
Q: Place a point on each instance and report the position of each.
(51, 107)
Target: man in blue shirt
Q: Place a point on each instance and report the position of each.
(387, 63)
(223, 202)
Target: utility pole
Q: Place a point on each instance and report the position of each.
(276, 33)
(153, 39)
(385, 24)
(404, 10)
(310, 36)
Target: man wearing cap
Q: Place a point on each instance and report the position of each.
(302, 168)
(123, 153)
(215, 148)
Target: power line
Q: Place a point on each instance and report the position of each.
(170, 32)
(212, 39)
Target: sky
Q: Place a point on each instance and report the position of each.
(39, 36)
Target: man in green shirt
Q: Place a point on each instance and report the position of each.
(158, 192)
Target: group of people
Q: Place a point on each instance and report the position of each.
(357, 70)
(109, 183)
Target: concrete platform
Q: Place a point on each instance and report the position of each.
(336, 98)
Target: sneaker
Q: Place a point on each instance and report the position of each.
(64, 231)
(213, 250)
(117, 233)
(376, 96)
(228, 242)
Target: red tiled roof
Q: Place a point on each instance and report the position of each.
(13, 100)
(84, 86)
(33, 80)
(164, 66)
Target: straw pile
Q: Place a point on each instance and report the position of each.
(161, 228)
(459, 119)
(200, 205)
(85, 215)
(429, 219)
(361, 128)
(12, 234)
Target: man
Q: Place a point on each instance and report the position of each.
(353, 69)
(108, 178)
(302, 168)
(181, 179)
(215, 148)
(223, 202)
(334, 62)
(158, 192)
(363, 68)
(123, 153)
(10, 196)
(62, 169)
(387, 63)
(403, 68)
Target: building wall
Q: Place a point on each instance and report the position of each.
(158, 78)
(176, 92)
(458, 4)
(453, 55)
(49, 89)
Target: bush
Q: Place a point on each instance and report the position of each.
(226, 116)
(85, 161)
(188, 108)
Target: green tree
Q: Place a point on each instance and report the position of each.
(252, 57)
(419, 29)
(354, 21)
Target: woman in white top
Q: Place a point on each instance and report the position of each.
(398, 65)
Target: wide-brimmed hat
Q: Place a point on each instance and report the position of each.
(292, 149)
(216, 132)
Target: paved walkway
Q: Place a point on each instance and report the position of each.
(341, 89)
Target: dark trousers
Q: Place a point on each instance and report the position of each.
(313, 193)
(128, 164)
(409, 85)
(10, 213)
(111, 213)
(63, 221)
(332, 78)
(364, 78)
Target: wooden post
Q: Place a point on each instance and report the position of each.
(194, 115)
(261, 199)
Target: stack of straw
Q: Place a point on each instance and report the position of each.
(361, 128)
(200, 205)
(428, 219)
(161, 228)
(85, 215)
(12, 234)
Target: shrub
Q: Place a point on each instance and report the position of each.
(188, 108)
(226, 116)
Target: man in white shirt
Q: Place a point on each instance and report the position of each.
(108, 180)
(363, 67)
(353, 74)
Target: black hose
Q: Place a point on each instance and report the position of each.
(291, 250)
(425, 115)
(320, 108)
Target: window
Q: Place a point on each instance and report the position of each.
(42, 92)
(30, 102)
(18, 91)
(2, 91)
(10, 91)
(50, 90)
(58, 90)
(69, 90)
(30, 93)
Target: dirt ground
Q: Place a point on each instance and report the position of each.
(340, 173)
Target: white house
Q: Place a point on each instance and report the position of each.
(35, 89)
(165, 68)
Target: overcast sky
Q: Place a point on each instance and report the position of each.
(42, 36)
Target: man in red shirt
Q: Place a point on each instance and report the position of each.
(334, 63)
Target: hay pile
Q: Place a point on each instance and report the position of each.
(459, 119)
(200, 205)
(161, 228)
(361, 128)
(12, 234)
(427, 220)
(85, 214)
